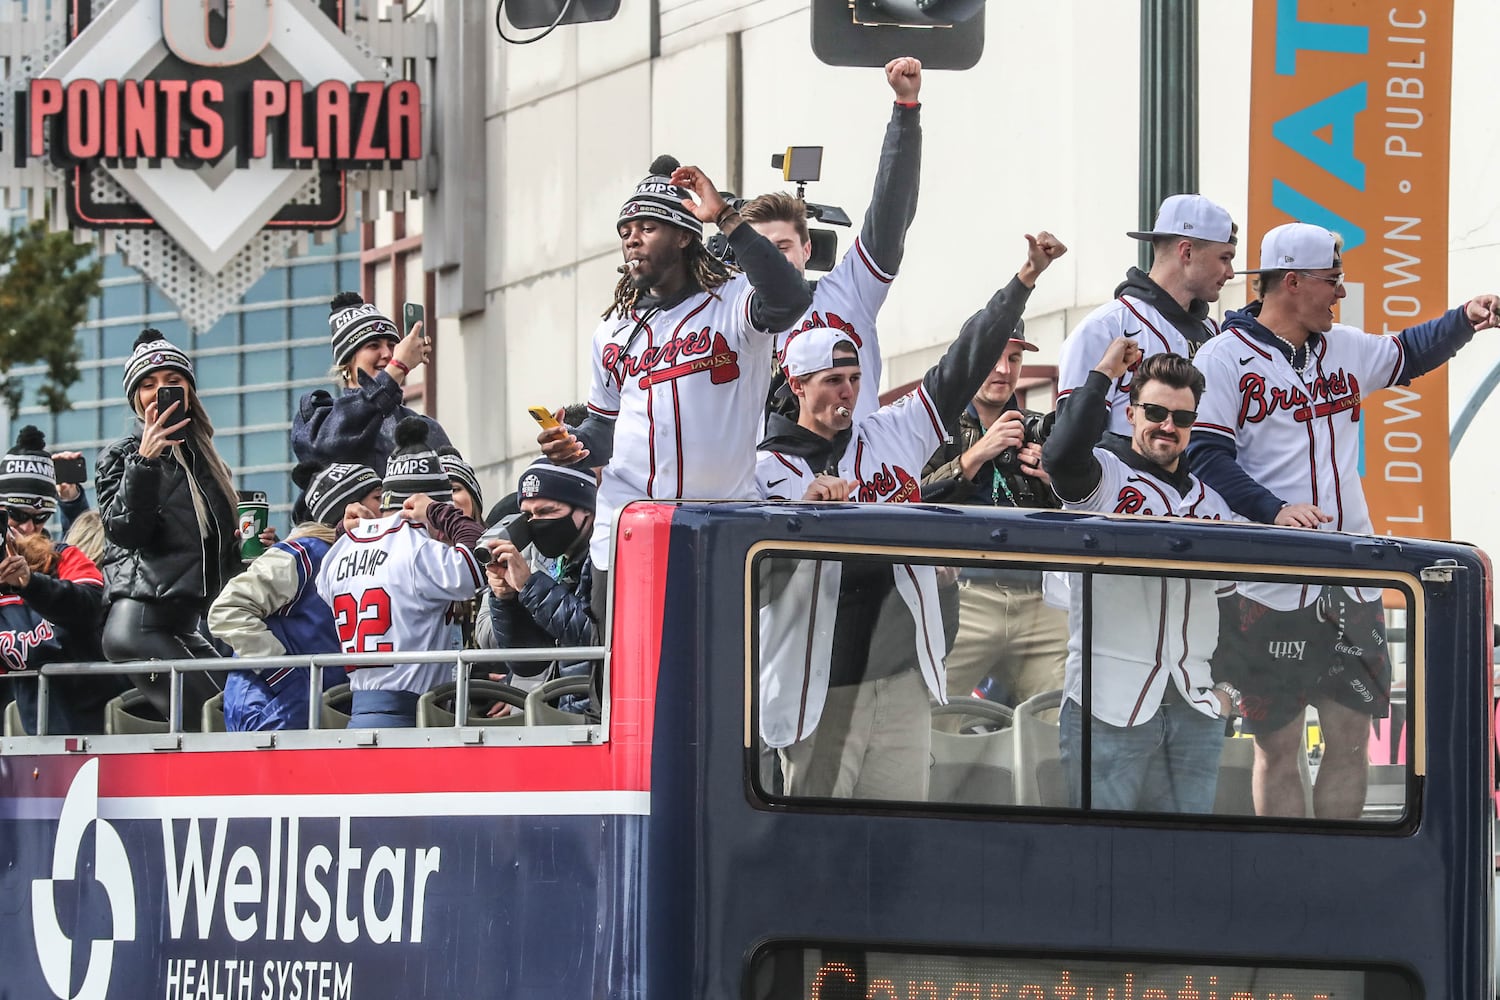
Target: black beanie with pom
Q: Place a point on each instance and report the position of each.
(353, 323)
(153, 353)
(27, 478)
(414, 467)
(658, 198)
(326, 491)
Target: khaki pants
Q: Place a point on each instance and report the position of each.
(874, 741)
(1010, 632)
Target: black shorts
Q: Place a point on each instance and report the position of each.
(1282, 660)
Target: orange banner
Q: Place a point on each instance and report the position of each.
(1349, 126)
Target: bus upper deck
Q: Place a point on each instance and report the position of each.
(674, 849)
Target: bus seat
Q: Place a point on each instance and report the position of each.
(13, 725)
(1233, 796)
(131, 713)
(337, 701)
(977, 763)
(541, 702)
(1039, 775)
(213, 714)
(434, 709)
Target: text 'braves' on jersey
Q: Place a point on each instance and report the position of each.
(389, 584)
(686, 387)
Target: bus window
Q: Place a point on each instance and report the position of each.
(993, 685)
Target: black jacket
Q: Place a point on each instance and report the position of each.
(358, 425)
(154, 550)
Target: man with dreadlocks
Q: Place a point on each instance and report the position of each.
(682, 359)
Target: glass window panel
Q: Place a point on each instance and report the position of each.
(270, 288)
(123, 300)
(119, 341)
(1140, 692)
(224, 333)
(156, 302)
(349, 274)
(115, 267)
(311, 362)
(224, 411)
(351, 241)
(229, 449)
(266, 406)
(267, 448)
(265, 366)
(88, 343)
(309, 280)
(310, 321)
(74, 426)
(264, 326)
(276, 485)
(114, 421)
(217, 371)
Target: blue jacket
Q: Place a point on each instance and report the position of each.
(274, 607)
(358, 426)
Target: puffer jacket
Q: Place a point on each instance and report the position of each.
(153, 548)
(547, 612)
(358, 425)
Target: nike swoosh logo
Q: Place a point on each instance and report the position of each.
(776, 482)
(1131, 333)
(1246, 361)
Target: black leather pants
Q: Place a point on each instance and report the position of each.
(142, 630)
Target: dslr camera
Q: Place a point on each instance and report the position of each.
(1036, 427)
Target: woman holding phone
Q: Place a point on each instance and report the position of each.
(371, 363)
(169, 510)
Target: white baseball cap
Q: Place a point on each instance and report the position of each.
(811, 351)
(1193, 216)
(1297, 246)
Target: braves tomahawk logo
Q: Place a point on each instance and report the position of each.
(1326, 396)
(111, 869)
(889, 485)
(685, 354)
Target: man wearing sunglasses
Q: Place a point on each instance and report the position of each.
(1280, 440)
(1156, 733)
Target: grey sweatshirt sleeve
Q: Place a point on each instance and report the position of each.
(893, 205)
(962, 369)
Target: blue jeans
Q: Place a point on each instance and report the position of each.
(1169, 763)
(383, 710)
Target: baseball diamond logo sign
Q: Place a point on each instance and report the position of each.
(110, 866)
(213, 123)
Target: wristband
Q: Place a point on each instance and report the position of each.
(399, 365)
(724, 216)
(908, 104)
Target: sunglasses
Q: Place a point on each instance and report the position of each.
(1156, 413)
(1337, 281)
(38, 518)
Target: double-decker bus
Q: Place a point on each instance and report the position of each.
(658, 851)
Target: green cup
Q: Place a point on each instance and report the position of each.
(255, 514)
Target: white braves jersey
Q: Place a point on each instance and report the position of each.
(1126, 316)
(686, 388)
(885, 455)
(1297, 434)
(848, 299)
(389, 584)
(1147, 629)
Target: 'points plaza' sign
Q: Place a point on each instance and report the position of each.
(208, 136)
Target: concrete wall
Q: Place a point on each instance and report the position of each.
(1041, 134)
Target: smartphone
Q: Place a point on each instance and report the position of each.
(412, 313)
(169, 394)
(543, 416)
(71, 470)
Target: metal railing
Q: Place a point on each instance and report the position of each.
(315, 663)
